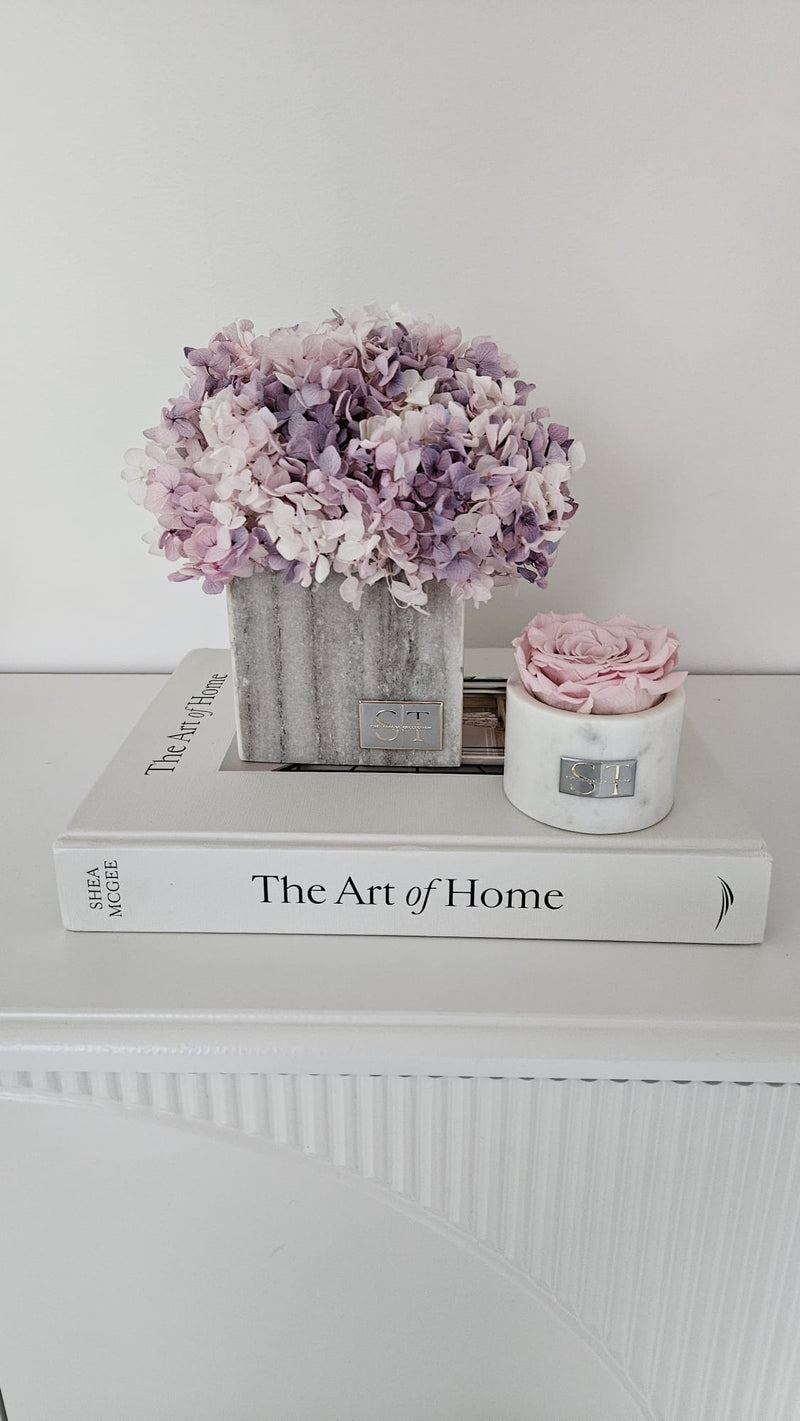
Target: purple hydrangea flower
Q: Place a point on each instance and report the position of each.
(373, 446)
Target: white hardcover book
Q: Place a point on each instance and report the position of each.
(178, 836)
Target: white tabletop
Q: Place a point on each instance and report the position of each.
(440, 1006)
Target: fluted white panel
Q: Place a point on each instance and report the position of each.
(662, 1220)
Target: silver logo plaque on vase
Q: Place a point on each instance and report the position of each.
(597, 779)
(400, 725)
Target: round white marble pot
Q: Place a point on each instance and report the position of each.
(596, 774)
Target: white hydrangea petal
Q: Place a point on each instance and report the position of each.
(577, 455)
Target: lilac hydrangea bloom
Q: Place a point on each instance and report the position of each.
(373, 446)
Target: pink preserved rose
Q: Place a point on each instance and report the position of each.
(602, 668)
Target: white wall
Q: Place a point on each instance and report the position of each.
(607, 187)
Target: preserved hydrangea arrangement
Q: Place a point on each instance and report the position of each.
(373, 446)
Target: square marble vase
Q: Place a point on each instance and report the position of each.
(320, 683)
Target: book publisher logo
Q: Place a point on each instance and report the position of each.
(598, 779)
(400, 725)
(727, 901)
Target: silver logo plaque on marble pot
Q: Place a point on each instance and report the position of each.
(598, 779)
(400, 725)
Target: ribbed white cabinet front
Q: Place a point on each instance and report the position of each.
(397, 1248)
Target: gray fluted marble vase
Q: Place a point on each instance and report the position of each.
(317, 682)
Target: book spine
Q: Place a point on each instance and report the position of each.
(489, 893)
